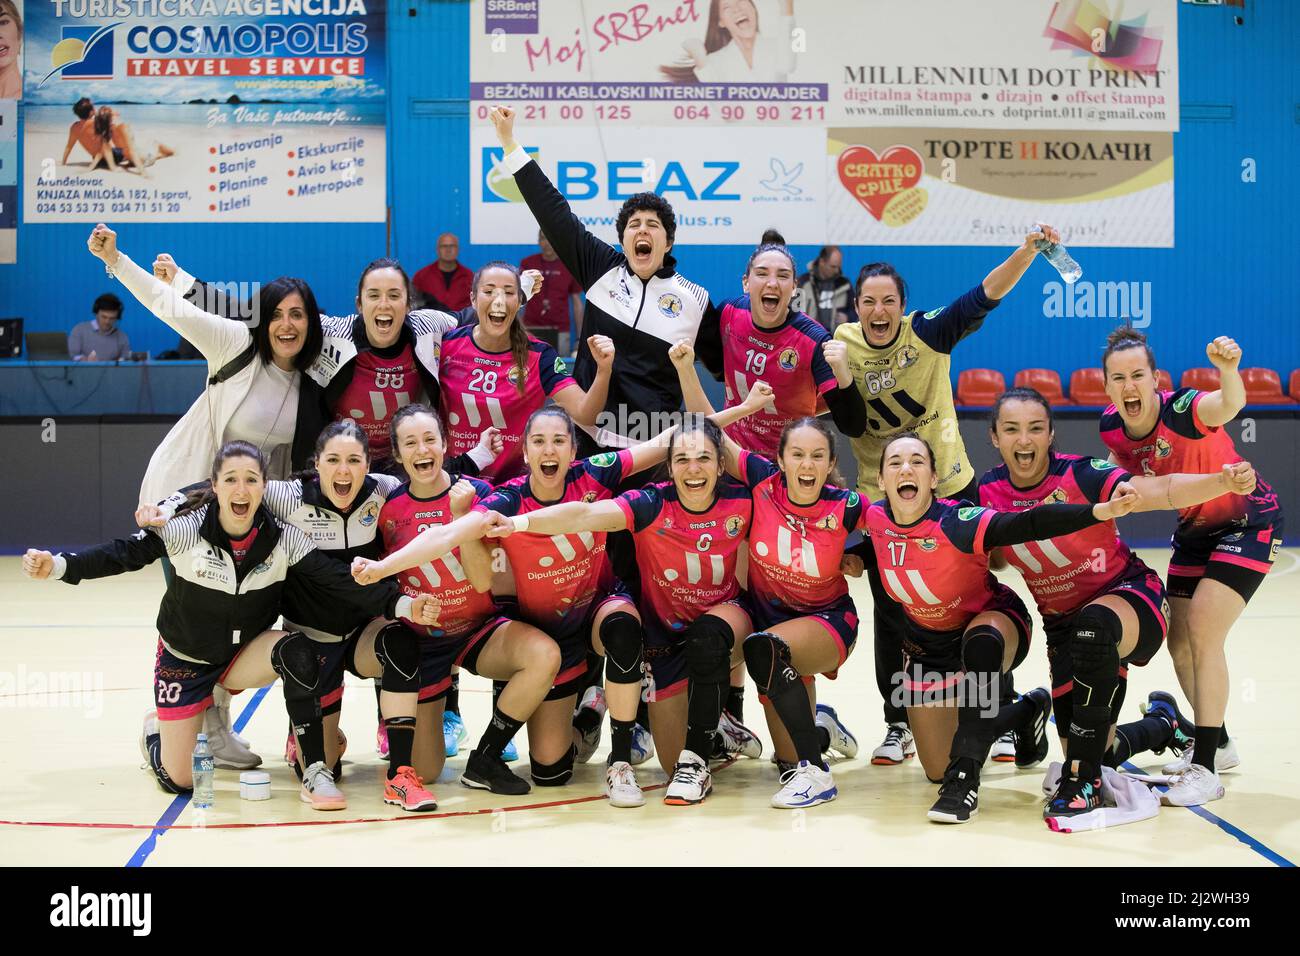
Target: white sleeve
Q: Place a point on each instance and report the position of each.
(218, 339)
(442, 322)
(516, 160)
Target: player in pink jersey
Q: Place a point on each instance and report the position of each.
(1221, 550)
(495, 374)
(933, 560)
(469, 633)
(1102, 608)
(688, 534)
(806, 622)
(763, 338)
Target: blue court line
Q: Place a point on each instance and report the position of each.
(1277, 859)
(174, 809)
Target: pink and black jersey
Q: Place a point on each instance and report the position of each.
(795, 550)
(378, 388)
(687, 558)
(1183, 444)
(789, 358)
(479, 391)
(1065, 573)
(401, 519)
(558, 577)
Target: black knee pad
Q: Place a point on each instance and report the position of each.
(767, 658)
(295, 659)
(397, 648)
(1094, 654)
(624, 644)
(553, 774)
(708, 650)
(983, 649)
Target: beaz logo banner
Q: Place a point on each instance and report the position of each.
(725, 187)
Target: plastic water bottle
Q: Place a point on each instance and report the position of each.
(204, 765)
(1061, 260)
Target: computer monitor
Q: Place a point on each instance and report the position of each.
(47, 346)
(11, 338)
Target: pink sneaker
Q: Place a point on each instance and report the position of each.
(406, 790)
(381, 741)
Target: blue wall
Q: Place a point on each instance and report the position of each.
(1230, 272)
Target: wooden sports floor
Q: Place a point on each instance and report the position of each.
(75, 677)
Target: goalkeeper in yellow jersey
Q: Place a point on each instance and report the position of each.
(901, 361)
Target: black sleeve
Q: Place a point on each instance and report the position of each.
(461, 465)
(467, 316)
(213, 300)
(708, 341)
(943, 328)
(847, 409)
(325, 580)
(1036, 524)
(586, 257)
(116, 557)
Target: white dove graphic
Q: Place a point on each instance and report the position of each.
(782, 180)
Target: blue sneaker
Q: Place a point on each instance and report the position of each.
(804, 786)
(511, 753)
(1161, 703)
(453, 732)
(643, 745)
(842, 741)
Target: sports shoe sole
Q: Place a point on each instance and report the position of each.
(938, 816)
(1005, 758)
(480, 784)
(624, 803)
(887, 762)
(825, 796)
(306, 798)
(424, 807)
(683, 802)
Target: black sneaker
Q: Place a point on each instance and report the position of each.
(1162, 704)
(959, 794)
(1075, 795)
(491, 773)
(1031, 737)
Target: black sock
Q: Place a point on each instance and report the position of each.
(1089, 726)
(1223, 737)
(501, 729)
(703, 711)
(792, 705)
(586, 720)
(379, 707)
(981, 688)
(308, 730)
(1149, 733)
(643, 714)
(620, 740)
(1207, 742)
(823, 739)
(401, 738)
(451, 705)
(736, 703)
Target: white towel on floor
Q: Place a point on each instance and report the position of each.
(1126, 799)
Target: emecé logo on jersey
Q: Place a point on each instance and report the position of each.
(498, 183)
(85, 52)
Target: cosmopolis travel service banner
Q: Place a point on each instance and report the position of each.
(813, 117)
(205, 111)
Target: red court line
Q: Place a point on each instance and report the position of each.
(572, 801)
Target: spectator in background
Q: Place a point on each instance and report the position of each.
(100, 340)
(445, 283)
(824, 291)
(550, 311)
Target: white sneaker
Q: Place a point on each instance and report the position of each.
(1225, 758)
(148, 730)
(229, 750)
(805, 786)
(1194, 786)
(737, 739)
(621, 786)
(643, 745)
(586, 743)
(318, 789)
(222, 699)
(1004, 748)
(897, 746)
(842, 742)
(691, 781)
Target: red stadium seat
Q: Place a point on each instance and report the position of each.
(1046, 381)
(1294, 390)
(1264, 387)
(1088, 387)
(1164, 382)
(979, 386)
(1201, 379)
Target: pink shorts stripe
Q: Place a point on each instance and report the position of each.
(574, 672)
(186, 712)
(952, 680)
(332, 698)
(835, 635)
(429, 693)
(1063, 689)
(672, 690)
(482, 634)
(1186, 571)
(611, 598)
(1263, 567)
(1164, 625)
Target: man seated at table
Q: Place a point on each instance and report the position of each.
(100, 340)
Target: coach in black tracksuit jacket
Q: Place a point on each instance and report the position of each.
(645, 315)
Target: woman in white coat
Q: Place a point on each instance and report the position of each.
(254, 389)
